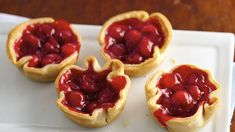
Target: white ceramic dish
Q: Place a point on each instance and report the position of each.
(233, 93)
(30, 106)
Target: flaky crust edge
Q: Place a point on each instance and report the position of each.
(158, 55)
(189, 124)
(99, 117)
(46, 73)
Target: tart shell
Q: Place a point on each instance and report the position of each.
(46, 73)
(158, 53)
(99, 116)
(180, 124)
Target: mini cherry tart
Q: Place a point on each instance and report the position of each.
(42, 47)
(183, 99)
(137, 39)
(95, 96)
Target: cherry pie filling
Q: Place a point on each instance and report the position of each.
(132, 40)
(47, 43)
(183, 91)
(87, 90)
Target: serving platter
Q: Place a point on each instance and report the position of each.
(30, 106)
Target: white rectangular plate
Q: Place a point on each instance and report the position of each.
(30, 106)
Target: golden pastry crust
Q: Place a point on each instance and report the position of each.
(158, 54)
(99, 116)
(191, 123)
(46, 73)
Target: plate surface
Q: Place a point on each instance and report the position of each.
(30, 106)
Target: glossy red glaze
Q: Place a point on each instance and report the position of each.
(183, 91)
(98, 92)
(34, 61)
(48, 43)
(76, 99)
(51, 59)
(131, 38)
(162, 116)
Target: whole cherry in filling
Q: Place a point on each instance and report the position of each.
(47, 43)
(87, 90)
(183, 91)
(132, 40)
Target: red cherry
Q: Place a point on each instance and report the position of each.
(52, 46)
(149, 29)
(177, 87)
(61, 25)
(134, 58)
(182, 99)
(195, 92)
(76, 99)
(68, 49)
(145, 46)
(33, 40)
(39, 54)
(117, 51)
(166, 103)
(132, 37)
(105, 106)
(30, 44)
(65, 36)
(91, 106)
(88, 84)
(192, 79)
(168, 80)
(51, 59)
(53, 40)
(118, 82)
(34, 61)
(46, 29)
(106, 95)
(151, 32)
(117, 32)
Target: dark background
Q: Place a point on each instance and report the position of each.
(203, 15)
(208, 15)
